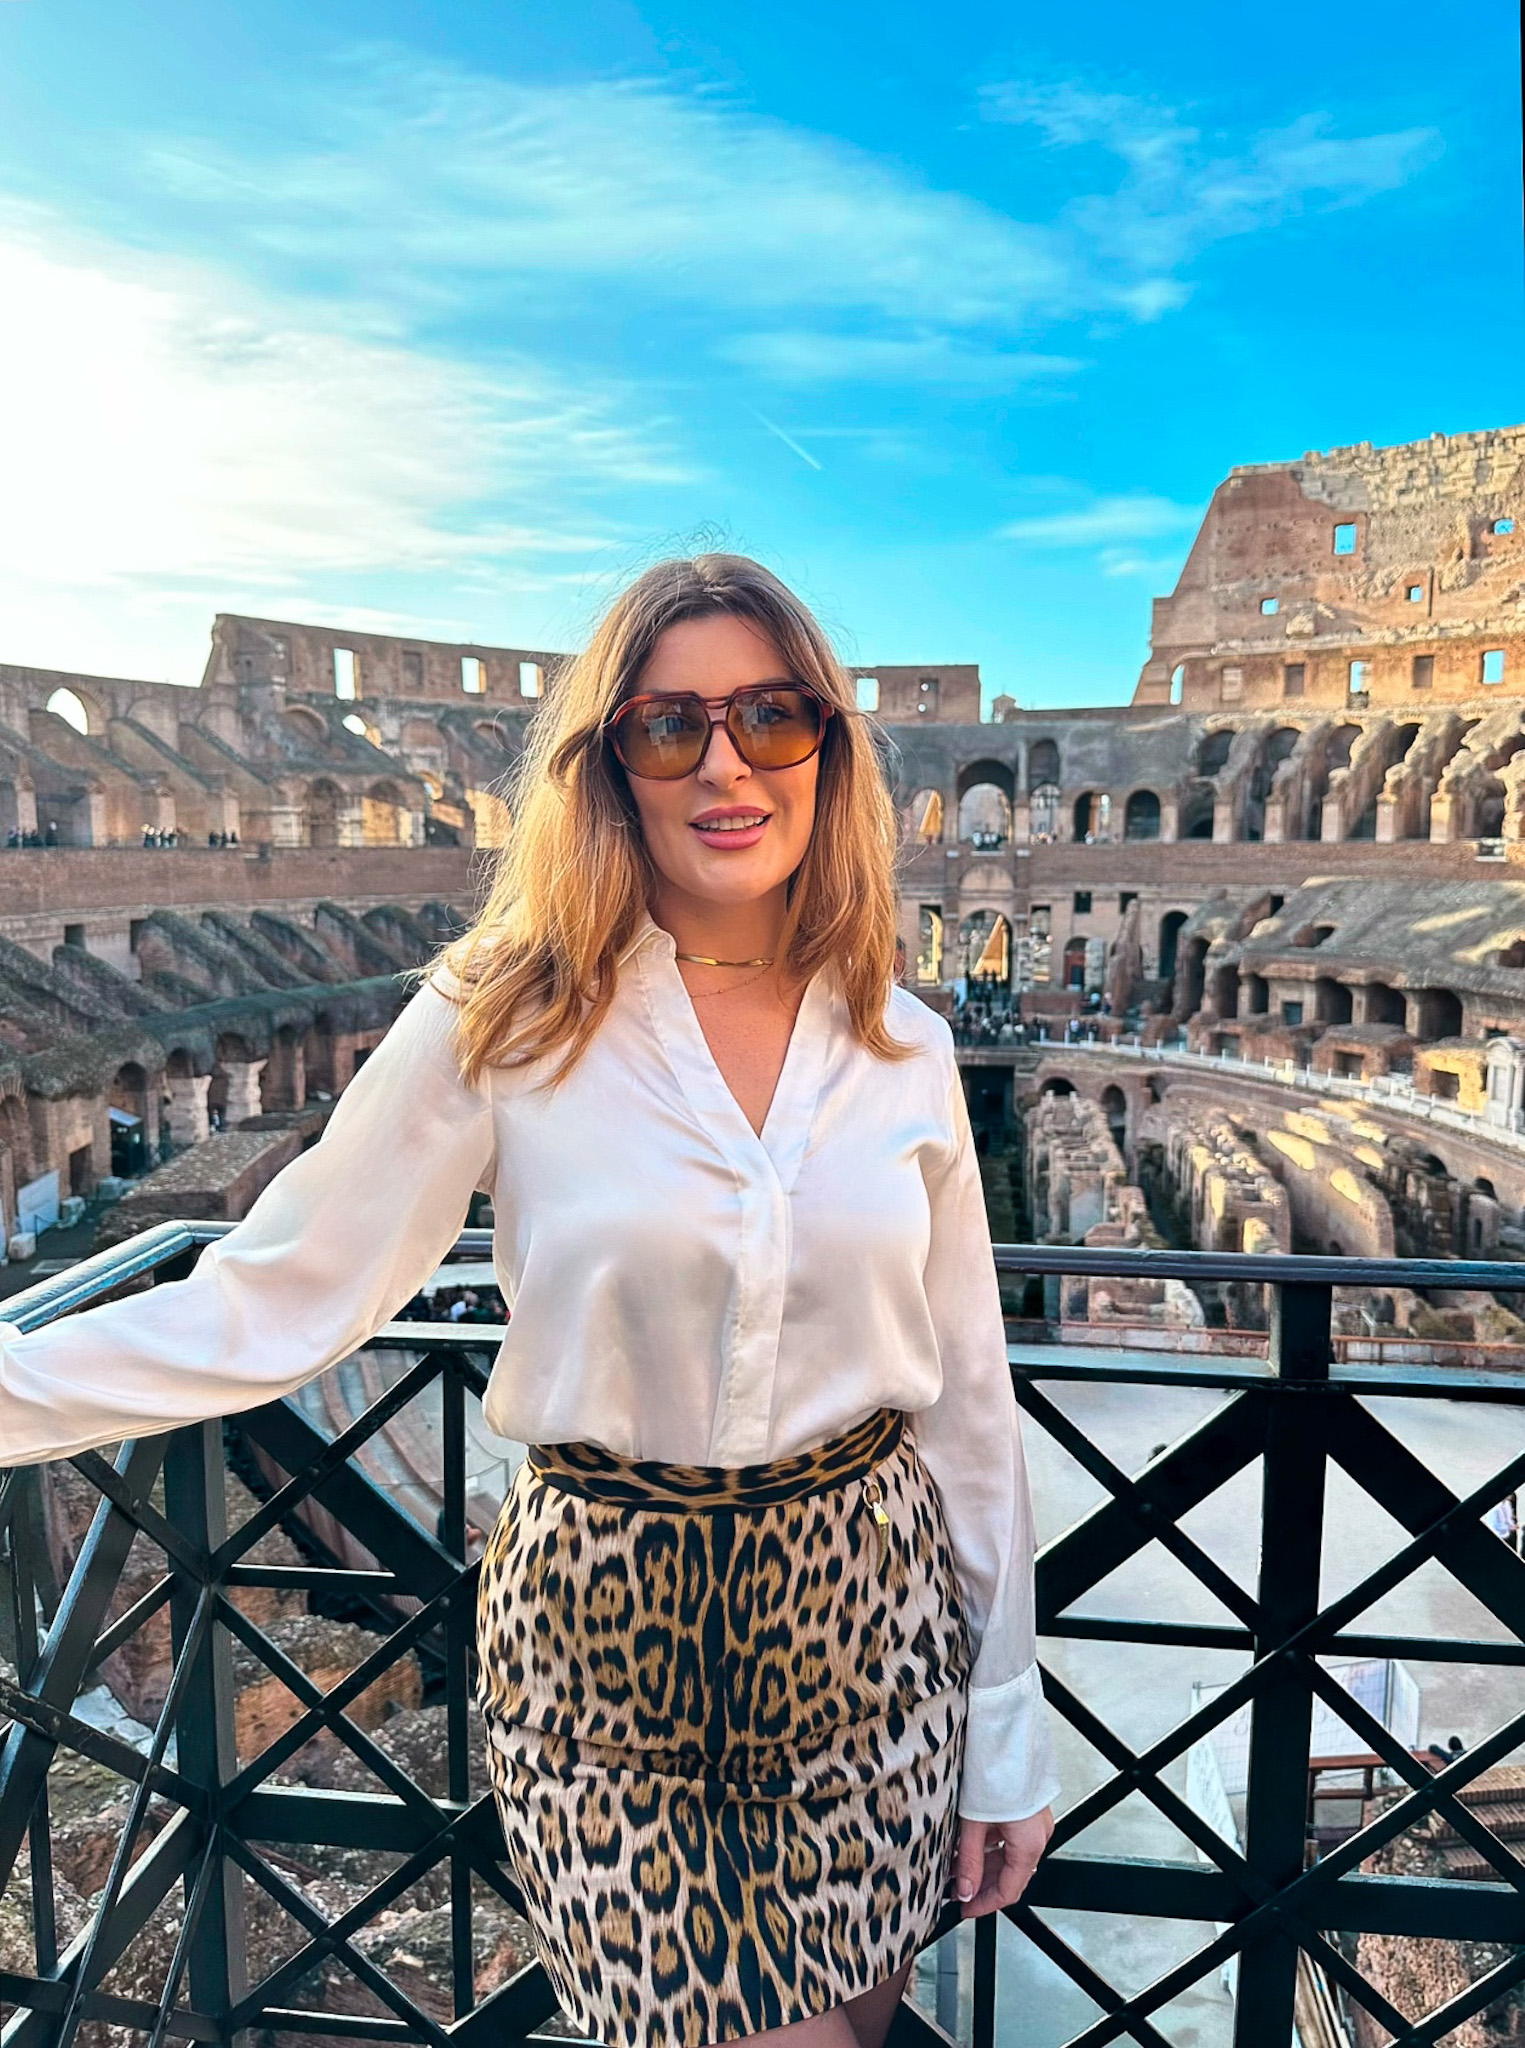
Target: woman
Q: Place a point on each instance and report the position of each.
(756, 1623)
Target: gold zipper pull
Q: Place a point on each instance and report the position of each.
(873, 1497)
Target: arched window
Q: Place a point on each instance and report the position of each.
(1141, 820)
(68, 706)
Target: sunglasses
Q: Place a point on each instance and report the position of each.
(772, 725)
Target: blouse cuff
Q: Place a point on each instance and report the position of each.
(1009, 1770)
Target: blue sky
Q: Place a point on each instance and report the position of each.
(443, 319)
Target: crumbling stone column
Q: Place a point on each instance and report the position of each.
(243, 1089)
(187, 1113)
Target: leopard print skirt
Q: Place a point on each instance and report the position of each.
(725, 1713)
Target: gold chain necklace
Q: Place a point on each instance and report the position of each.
(705, 960)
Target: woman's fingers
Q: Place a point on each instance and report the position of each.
(969, 1860)
(996, 1861)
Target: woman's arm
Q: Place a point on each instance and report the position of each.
(333, 1247)
(971, 1442)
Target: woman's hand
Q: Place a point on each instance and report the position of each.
(996, 1858)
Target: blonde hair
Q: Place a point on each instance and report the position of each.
(571, 884)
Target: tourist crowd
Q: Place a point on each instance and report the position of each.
(456, 1305)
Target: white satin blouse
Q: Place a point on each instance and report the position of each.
(680, 1287)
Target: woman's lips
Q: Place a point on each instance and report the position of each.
(730, 835)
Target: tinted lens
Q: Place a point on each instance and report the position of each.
(662, 740)
(776, 727)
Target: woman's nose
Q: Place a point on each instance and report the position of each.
(722, 765)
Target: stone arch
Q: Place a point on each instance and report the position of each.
(309, 726)
(1213, 751)
(1341, 741)
(929, 944)
(1332, 1001)
(1141, 817)
(975, 933)
(127, 1108)
(1073, 971)
(1091, 814)
(1197, 812)
(984, 816)
(1170, 935)
(985, 791)
(1257, 995)
(1385, 1005)
(383, 816)
(1437, 1013)
(1043, 764)
(78, 708)
(325, 804)
(1279, 747)
(1058, 1085)
(1044, 812)
(923, 815)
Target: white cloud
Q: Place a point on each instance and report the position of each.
(1133, 516)
(1177, 195)
(171, 438)
(430, 173)
(801, 356)
(437, 193)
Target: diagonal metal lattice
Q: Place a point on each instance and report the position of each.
(224, 1828)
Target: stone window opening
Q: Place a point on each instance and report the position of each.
(74, 935)
(1177, 682)
(531, 682)
(1141, 818)
(473, 675)
(929, 944)
(1125, 897)
(346, 674)
(1092, 816)
(924, 815)
(68, 706)
(868, 693)
(1042, 764)
(1269, 607)
(1082, 902)
(1423, 675)
(1360, 678)
(1345, 537)
(1493, 665)
(412, 669)
(1291, 1013)
(1505, 525)
(1294, 679)
(1416, 593)
(1170, 936)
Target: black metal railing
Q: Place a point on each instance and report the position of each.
(222, 1839)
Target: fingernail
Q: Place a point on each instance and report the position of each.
(965, 1891)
